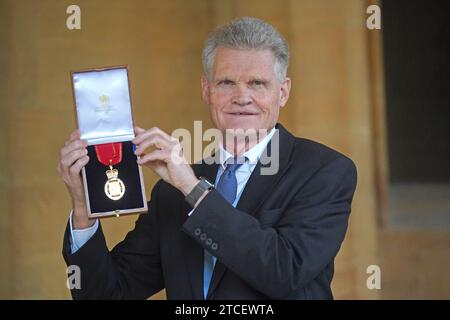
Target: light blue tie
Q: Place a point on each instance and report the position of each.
(227, 187)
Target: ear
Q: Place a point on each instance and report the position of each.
(205, 89)
(285, 89)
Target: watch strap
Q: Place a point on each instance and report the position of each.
(198, 191)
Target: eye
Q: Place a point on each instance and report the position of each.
(225, 82)
(257, 83)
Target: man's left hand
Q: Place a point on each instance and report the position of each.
(167, 160)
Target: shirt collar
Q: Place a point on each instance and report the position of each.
(252, 155)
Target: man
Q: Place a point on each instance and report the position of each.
(252, 235)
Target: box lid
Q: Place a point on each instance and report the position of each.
(103, 105)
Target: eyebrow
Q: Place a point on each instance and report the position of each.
(260, 79)
(222, 79)
(251, 79)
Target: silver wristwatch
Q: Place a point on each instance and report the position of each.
(198, 191)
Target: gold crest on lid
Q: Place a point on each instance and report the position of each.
(104, 99)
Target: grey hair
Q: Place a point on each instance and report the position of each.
(247, 34)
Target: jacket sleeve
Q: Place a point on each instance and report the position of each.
(282, 258)
(132, 270)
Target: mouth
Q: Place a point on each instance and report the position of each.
(242, 113)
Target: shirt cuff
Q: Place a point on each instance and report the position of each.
(80, 236)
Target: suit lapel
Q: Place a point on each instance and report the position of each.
(253, 195)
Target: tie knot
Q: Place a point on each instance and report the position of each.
(232, 164)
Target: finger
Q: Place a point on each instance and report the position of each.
(141, 134)
(156, 141)
(73, 145)
(70, 141)
(155, 131)
(77, 166)
(138, 130)
(68, 160)
(75, 135)
(153, 156)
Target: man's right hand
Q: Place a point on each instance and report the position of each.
(72, 158)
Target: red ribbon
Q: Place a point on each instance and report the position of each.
(109, 154)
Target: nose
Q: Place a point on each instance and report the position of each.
(241, 96)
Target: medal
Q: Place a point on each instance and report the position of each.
(110, 154)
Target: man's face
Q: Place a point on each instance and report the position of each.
(243, 92)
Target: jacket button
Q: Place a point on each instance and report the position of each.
(197, 232)
(214, 246)
(203, 236)
(208, 241)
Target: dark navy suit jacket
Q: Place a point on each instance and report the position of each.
(278, 243)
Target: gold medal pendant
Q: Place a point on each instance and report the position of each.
(114, 187)
(110, 154)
